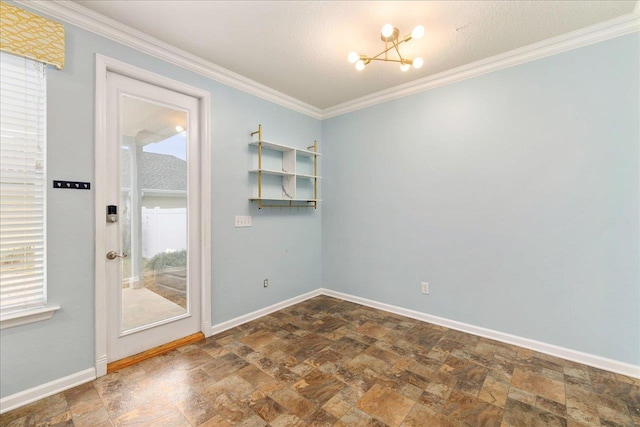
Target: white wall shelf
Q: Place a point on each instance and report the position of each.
(271, 172)
(291, 177)
(284, 200)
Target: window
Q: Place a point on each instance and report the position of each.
(22, 184)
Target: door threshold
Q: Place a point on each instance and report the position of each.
(152, 352)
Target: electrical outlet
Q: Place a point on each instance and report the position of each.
(243, 221)
(265, 283)
(425, 287)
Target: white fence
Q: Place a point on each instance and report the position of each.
(162, 230)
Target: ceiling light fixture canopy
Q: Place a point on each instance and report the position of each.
(390, 35)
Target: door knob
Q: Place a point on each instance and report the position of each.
(114, 255)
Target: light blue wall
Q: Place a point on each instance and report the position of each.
(282, 245)
(515, 194)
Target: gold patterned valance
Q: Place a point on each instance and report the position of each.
(26, 34)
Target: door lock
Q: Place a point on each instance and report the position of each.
(114, 255)
(112, 213)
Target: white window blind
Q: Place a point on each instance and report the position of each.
(22, 183)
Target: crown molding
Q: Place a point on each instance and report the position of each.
(616, 27)
(94, 22)
(99, 24)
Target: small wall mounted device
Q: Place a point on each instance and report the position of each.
(112, 213)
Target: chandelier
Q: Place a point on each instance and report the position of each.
(392, 42)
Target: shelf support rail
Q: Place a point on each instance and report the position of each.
(259, 132)
(315, 173)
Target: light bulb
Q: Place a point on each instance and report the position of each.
(418, 62)
(179, 128)
(360, 65)
(418, 32)
(353, 57)
(387, 30)
(405, 67)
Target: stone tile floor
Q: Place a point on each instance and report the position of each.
(327, 362)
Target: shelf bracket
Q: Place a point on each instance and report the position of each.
(259, 132)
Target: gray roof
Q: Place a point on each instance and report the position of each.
(157, 172)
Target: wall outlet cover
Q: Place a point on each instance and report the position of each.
(425, 287)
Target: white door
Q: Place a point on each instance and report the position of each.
(153, 267)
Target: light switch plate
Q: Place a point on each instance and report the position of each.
(243, 221)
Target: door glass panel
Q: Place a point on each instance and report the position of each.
(153, 216)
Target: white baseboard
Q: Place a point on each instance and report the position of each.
(207, 329)
(550, 349)
(45, 390)
(101, 366)
(221, 327)
(40, 392)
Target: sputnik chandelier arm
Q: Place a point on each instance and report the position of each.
(389, 36)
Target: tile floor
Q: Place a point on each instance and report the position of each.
(327, 362)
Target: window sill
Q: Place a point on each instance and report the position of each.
(23, 317)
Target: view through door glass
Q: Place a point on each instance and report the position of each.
(153, 214)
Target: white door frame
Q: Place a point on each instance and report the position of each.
(103, 65)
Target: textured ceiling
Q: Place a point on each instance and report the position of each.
(300, 47)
